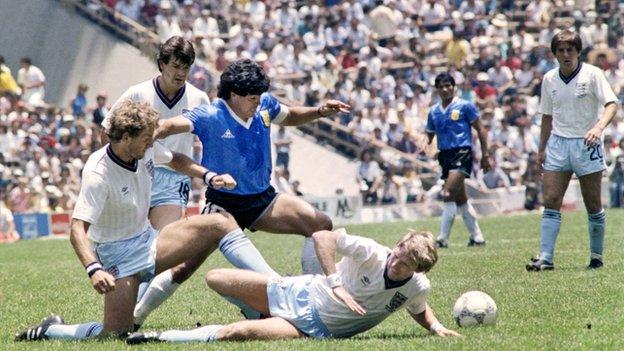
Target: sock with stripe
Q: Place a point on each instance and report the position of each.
(551, 221)
(74, 332)
(596, 226)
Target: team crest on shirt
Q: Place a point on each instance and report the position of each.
(114, 271)
(396, 302)
(581, 89)
(266, 120)
(150, 168)
(455, 115)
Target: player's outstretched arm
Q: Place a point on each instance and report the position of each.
(101, 280)
(175, 125)
(301, 114)
(184, 164)
(429, 321)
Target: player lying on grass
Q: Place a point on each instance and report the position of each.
(112, 211)
(369, 283)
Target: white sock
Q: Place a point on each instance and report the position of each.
(74, 332)
(309, 262)
(159, 290)
(470, 220)
(449, 209)
(204, 334)
(142, 289)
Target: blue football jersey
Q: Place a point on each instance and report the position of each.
(452, 124)
(241, 149)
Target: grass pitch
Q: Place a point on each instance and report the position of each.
(570, 308)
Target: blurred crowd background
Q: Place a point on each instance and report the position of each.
(380, 56)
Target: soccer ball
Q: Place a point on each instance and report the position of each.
(475, 308)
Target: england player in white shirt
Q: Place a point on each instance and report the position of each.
(111, 212)
(170, 94)
(369, 283)
(573, 96)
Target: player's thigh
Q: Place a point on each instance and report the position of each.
(160, 216)
(247, 286)
(119, 306)
(555, 185)
(188, 237)
(454, 185)
(591, 185)
(266, 329)
(291, 215)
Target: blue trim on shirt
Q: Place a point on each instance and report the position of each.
(163, 97)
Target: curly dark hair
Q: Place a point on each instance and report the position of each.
(444, 77)
(243, 77)
(177, 48)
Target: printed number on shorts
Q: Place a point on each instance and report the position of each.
(594, 152)
(184, 190)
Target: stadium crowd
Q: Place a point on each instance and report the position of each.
(380, 56)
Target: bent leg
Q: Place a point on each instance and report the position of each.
(267, 329)
(118, 306)
(160, 216)
(290, 214)
(246, 286)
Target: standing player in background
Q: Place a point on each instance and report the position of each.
(169, 94)
(451, 120)
(111, 212)
(235, 135)
(571, 142)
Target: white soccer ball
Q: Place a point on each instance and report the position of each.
(475, 308)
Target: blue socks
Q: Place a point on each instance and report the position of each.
(551, 221)
(74, 332)
(241, 253)
(596, 226)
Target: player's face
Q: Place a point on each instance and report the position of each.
(175, 73)
(567, 56)
(399, 266)
(246, 105)
(137, 145)
(446, 90)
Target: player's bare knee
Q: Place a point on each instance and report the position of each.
(216, 279)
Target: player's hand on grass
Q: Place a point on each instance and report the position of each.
(447, 332)
(103, 282)
(223, 181)
(344, 295)
(331, 107)
(592, 137)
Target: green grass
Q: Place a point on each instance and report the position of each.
(537, 311)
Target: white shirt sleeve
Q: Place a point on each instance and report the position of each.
(356, 247)
(417, 303)
(162, 155)
(92, 197)
(602, 89)
(546, 104)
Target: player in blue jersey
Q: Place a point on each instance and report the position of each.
(235, 135)
(452, 120)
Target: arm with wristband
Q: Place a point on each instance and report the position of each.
(101, 280)
(325, 244)
(429, 321)
(184, 164)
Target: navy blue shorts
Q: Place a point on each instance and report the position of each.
(457, 160)
(246, 209)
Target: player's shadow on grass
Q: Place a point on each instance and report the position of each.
(392, 336)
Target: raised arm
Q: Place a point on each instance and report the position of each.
(175, 125)
(429, 321)
(325, 244)
(101, 280)
(301, 114)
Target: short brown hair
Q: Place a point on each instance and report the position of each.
(420, 248)
(131, 117)
(566, 36)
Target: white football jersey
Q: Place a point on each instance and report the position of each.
(150, 92)
(115, 197)
(362, 270)
(575, 102)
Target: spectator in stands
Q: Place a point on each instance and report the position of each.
(616, 177)
(458, 50)
(486, 94)
(79, 103)
(8, 233)
(369, 177)
(101, 109)
(130, 8)
(167, 24)
(495, 177)
(32, 82)
(282, 142)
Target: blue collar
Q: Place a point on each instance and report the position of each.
(163, 96)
